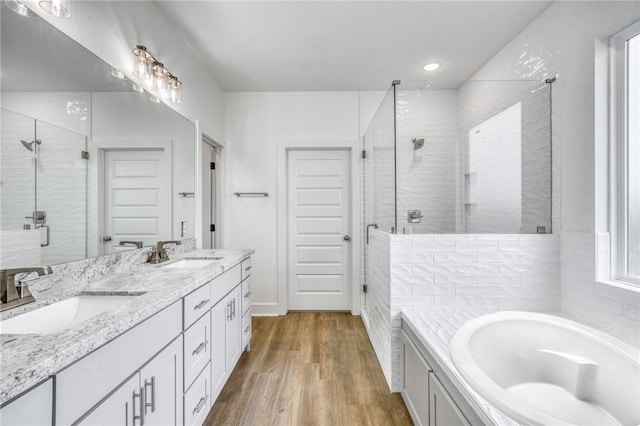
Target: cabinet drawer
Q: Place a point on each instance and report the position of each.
(223, 284)
(246, 268)
(197, 400)
(245, 295)
(196, 304)
(246, 328)
(197, 349)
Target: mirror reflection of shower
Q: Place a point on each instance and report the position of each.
(30, 145)
(417, 143)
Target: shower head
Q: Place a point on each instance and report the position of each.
(417, 143)
(29, 145)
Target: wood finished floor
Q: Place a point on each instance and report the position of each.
(308, 369)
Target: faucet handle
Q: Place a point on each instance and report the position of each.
(40, 270)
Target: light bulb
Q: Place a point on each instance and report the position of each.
(160, 75)
(141, 63)
(57, 8)
(175, 92)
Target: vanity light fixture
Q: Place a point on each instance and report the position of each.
(431, 67)
(20, 8)
(57, 8)
(153, 74)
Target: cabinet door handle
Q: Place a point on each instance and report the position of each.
(246, 330)
(234, 308)
(151, 405)
(247, 294)
(229, 311)
(200, 347)
(198, 407)
(201, 304)
(248, 268)
(140, 396)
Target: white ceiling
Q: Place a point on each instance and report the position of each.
(345, 45)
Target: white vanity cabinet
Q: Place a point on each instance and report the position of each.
(149, 397)
(84, 384)
(225, 338)
(231, 296)
(35, 407)
(245, 323)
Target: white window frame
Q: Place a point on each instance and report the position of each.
(618, 156)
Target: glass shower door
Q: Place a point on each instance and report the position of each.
(43, 190)
(19, 240)
(61, 188)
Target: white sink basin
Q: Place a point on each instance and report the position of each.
(192, 263)
(546, 370)
(61, 315)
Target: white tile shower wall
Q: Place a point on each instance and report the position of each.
(63, 121)
(426, 177)
(614, 310)
(505, 272)
(378, 299)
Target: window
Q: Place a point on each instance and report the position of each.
(625, 164)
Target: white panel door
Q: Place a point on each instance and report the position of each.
(319, 227)
(137, 197)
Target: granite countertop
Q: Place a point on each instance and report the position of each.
(435, 327)
(28, 359)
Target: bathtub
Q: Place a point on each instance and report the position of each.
(546, 370)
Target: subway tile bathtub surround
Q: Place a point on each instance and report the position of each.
(499, 272)
(604, 306)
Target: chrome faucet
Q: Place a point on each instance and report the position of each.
(159, 254)
(13, 295)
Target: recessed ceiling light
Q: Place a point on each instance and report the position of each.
(431, 67)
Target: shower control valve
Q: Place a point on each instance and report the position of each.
(414, 216)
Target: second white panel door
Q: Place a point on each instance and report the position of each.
(319, 230)
(137, 197)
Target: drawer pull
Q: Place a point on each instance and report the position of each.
(151, 405)
(201, 304)
(139, 418)
(200, 347)
(246, 330)
(247, 294)
(200, 404)
(248, 268)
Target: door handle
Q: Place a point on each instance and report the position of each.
(107, 238)
(346, 238)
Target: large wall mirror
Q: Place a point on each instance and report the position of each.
(87, 163)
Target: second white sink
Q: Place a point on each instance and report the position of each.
(61, 315)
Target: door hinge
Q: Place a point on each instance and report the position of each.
(212, 228)
(364, 288)
(212, 165)
(84, 155)
(364, 153)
